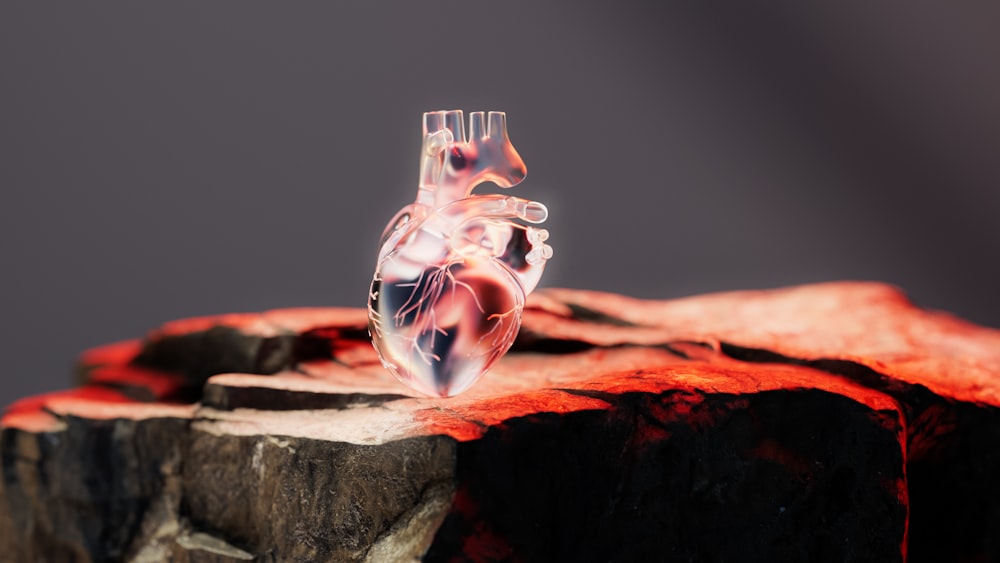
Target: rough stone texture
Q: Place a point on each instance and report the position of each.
(834, 422)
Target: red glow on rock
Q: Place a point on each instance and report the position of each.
(468, 420)
(145, 384)
(481, 544)
(771, 450)
(117, 353)
(251, 323)
(872, 324)
(32, 412)
(484, 546)
(647, 432)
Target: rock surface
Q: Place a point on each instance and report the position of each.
(833, 422)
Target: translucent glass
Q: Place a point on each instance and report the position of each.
(454, 268)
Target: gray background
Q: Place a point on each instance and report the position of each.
(187, 158)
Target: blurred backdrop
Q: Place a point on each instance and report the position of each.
(186, 158)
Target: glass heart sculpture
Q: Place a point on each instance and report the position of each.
(454, 268)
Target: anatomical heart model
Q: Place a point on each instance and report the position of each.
(454, 268)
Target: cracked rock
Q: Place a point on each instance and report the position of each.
(832, 422)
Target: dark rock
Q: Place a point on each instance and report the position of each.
(300, 499)
(823, 423)
(773, 476)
